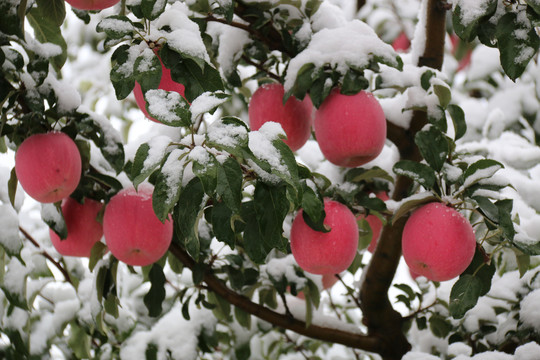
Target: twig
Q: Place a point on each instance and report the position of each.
(261, 67)
(47, 256)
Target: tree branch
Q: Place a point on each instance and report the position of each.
(47, 256)
(365, 342)
(379, 316)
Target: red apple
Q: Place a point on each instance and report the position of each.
(83, 228)
(375, 223)
(295, 116)
(48, 166)
(401, 43)
(326, 253)
(166, 83)
(438, 242)
(133, 233)
(92, 4)
(350, 129)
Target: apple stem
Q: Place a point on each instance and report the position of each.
(46, 255)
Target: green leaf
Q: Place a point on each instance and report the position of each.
(517, 42)
(186, 216)
(229, 183)
(488, 208)
(303, 82)
(353, 82)
(458, 118)
(221, 219)
(205, 167)
(53, 9)
(155, 296)
(47, 28)
(464, 295)
(440, 326)
(357, 175)
(122, 79)
(480, 170)
(505, 219)
(313, 209)
(147, 70)
(535, 5)
(222, 310)
(152, 9)
(12, 186)
(468, 31)
(411, 205)
(425, 79)
(98, 251)
(52, 215)
(433, 147)
(139, 170)
(188, 72)
(12, 23)
(116, 26)
(111, 305)
(480, 269)
(421, 173)
(168, 107)
(79, 341)
(242, 317)
(444, 95)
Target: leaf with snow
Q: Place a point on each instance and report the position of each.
(468, 17)
(122, 71)
(168, 107)
(117, 26)
(207, 103)
(147, 70)
(229, 183)
(421, 173)
(52, 215)
(205, 167)
(186, 216)
(518, 43)
(229, 134)
(433, 146)
(152, 9)
(480, 170)
(168, 184)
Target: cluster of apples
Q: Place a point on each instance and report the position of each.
(48, 167)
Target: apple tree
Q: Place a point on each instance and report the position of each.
(195, 232)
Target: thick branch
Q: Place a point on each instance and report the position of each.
(369, 343)
(379, 316)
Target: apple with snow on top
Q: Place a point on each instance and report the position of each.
(401, 43)
(166, 83)
(133, 232)
(375, 223)
(83, 228)
(350, 129)
(295, 116)
(92, 4)
(48, 166)
(438, 242)
(326, 253)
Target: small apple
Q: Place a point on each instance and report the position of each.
(295, 116)
(166, 83)
(375, 223)
(350, 129)
(401, 43)
(83, 228)
(92, 4)
(133, 233)
(438, 242)
(48, 166)
(326, 253)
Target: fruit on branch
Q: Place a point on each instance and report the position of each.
(326, 253)
(295, 116)
(84, 230)
(401, 43)
(375, 223)
(438, 242)
(92, 4)
(166, 83)
(133, 232)
(350, 129)
(48, 166)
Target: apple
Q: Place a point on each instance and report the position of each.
(92, 4)
(326, 253)
(295, 116)
(133, 232)
(438, 242)
(350, 129)
(83, 228)
(375, 223)
(166, 83)
(401, 43)
(48, 166)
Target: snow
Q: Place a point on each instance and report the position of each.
(227, 134)
(205, 103)
(163, 104)
(260, 143)
(529, 313)
(9, 223)
(158, 146)
(230, 41)
(471, 10)
(527, 351)
(181, 339)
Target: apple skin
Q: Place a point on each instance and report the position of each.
(401, 43)
(83, 228)
(326, 253)
(438, 242)
(48, 166)
(295, 117)
(375, 223)
(92, 4)
(350, 129)
(133, 233)
(166, 83)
